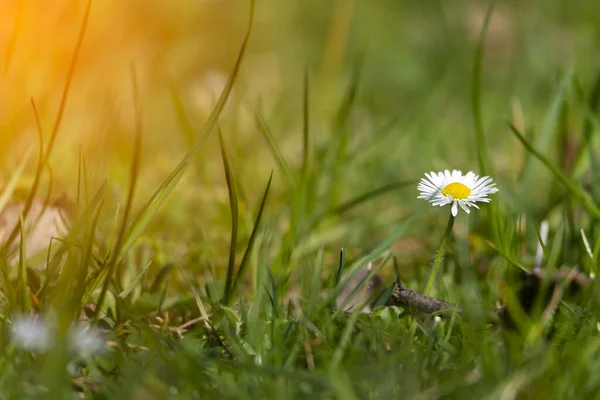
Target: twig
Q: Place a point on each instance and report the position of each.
(407, 298)
(570, 278)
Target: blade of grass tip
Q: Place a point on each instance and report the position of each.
(234, 207)
(134, 176)
(588, 250)
(56, 126)
(397, 271)
(482, 155)
(184, 121)
(575, 191)
(246, 257)
(160, 195)
(338, 275)
(507, 257)
(271, 290)
(276, 151)
(214, 115)
(22, 275)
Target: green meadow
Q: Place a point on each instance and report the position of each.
(218, 199)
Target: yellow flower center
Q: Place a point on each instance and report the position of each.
(457, 191)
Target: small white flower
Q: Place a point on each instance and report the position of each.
(31, 334)
(454, 188)
(87, 341)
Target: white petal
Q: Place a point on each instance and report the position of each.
(464, 207)
(454, 209)
(448, 175)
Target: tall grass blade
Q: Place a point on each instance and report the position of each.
(482, 154)
(134, 176)
(339, 151)
(363, 198)
(234, 207)
(306, 151)
(282, 163)
(246, 257)
(13, 181)
(575, 191)
(57, 123)
(340, 270)
(548, 128)
(22, 275)
(164, 190)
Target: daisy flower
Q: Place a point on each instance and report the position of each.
(87, 342)
(31, 334)
(454, 188)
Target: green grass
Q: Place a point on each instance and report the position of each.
(209, 247)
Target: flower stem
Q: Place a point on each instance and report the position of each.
(437, 262)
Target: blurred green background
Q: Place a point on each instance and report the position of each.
(410, 61)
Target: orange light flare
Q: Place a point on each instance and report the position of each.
(163, 41)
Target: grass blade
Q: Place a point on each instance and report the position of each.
(588, 124)
(234, 206)
(575, 191)
(305, 130)
(134, 175)
(276, 151)
(9, 189)
(358, 200)
(164, 190)
(57, 123)
(246, 258)
(339, 151)
(482, 155)
(548, 128)
(338, 275)
(22, 275)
